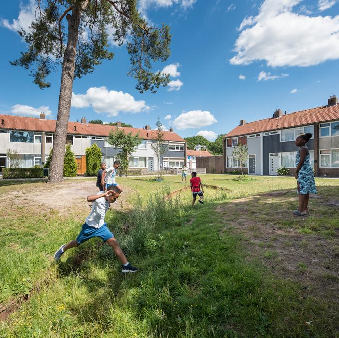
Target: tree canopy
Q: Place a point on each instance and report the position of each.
(216, 147)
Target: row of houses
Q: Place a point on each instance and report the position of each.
(32, 139)
(271, 142)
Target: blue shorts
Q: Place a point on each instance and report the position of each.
(88, 232)
(107, 185)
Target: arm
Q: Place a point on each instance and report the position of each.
(95, 197)
(201, 187)
(103, 178)
(303, 153)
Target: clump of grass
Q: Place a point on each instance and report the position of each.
(243, 178)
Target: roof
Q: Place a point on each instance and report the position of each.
(299, 118)
(198, 153)
(76, 128)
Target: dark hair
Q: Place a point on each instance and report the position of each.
(306, 136)
(194, 174)
(117, 162)
(115, 189)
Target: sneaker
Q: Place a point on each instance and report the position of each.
(200, 201)
(59, 253)
(298, 213)
(128, 268)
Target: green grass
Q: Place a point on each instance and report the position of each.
(194, 279)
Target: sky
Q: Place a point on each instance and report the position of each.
(230, 60)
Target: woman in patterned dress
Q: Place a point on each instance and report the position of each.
(304, 175)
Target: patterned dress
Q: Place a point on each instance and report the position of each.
(306, 176)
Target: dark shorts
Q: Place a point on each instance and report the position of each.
(195, 193)
(88, 232)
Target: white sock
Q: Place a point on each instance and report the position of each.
(126, 264)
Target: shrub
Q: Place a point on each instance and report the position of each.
(22, 172)
(93, 160)
(283, 171)
(243, 178)
(70, 164)
(234, 172)
(49, 159)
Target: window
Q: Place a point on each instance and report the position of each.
(335, 129)
(274, 132)
(69, 139)
(324, 129)
(288, 159)
(175, 164)
(142, 145)
(266, 134)
(49, 138)
(232, 162)
(287, 135)
(335, 158)
(37, 138)
(251, 136)
(37, 161)
(325, 160)
(234, 141)
(176, 147)
(309, 129)
(137, 162)
(235, 163)
(257, 135)
(299, 131)
(21, 136)
(229, 142)
(229, 162)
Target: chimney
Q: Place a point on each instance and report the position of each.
(118, 124)
(171, 130)
(242, 122)
(278, 113)
(332, 101)
(83, 120)
(42, 116)
(147, 127)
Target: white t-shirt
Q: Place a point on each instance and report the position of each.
(96, 218)
(110, 175)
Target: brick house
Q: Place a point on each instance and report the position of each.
(271, 141)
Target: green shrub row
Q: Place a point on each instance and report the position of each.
(23, 172)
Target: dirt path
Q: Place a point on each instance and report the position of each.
(282, 242)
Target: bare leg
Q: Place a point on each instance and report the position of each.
(71, 244)
(301, 203)
(306, 198)
(112, 242)
(194, 199)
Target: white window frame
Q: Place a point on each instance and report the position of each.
(233, 139)
(288, 152)
(176, 147)
(142, 145)
(49, 135)
(228, 138)
(35, 158)
(36, 136)
(295, 132)
(329, 127)
(137, 157)
(251, 136)
(330, 156)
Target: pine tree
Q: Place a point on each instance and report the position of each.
(93, 160)
(70, 164)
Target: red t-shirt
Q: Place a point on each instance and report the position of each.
(195, 183)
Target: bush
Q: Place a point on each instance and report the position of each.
(234, 172)
(70, 164)
(22, 172)
(93, 160)
(283, 171)
(243, 178)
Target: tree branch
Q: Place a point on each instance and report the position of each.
(59, 23)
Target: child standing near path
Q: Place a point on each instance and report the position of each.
(108, 176)
(95, 226)
(183, 173)
(304, 175)
(197, 188)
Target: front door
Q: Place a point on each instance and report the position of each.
(274, 163)
(251, 164)
(2, 162)
(81, 163)
(150, 164)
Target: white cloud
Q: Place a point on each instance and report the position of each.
(172, 70)
(20, 109)
(268, 76)
(326, 4)
(25, 18)
(294, 91)
(194, 119)
(145, 4)
(281, 37)
(242, 77)
(168, 102)
(174, 85)
(168, 117)
(111, 102)
(231, 7)
(210, 135)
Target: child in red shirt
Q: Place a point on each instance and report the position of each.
(197, 189)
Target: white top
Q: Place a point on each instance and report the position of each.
(96, 218)
(110, 175)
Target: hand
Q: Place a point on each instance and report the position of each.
(296, 175)
(108, 193)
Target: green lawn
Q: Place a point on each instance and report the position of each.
(197, 277)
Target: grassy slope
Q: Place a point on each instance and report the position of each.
(194, 281)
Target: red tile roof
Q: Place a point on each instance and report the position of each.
(299, 118)
(77, 128)
(198, 153)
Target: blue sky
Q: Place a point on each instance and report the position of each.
(230, 60)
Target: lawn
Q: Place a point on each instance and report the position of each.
(238, 266)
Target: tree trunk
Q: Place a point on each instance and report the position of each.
(65, 96)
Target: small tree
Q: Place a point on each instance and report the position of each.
(14, 158)
(126, 142)
(158, 145)
(93, 159)
(240, 152)
(49, 159)
(70, 164)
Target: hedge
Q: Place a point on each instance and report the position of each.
(22, 172)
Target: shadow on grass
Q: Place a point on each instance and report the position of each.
(18, 181)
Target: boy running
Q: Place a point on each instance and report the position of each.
(95, 226)
(197, 188)
(108, 176)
